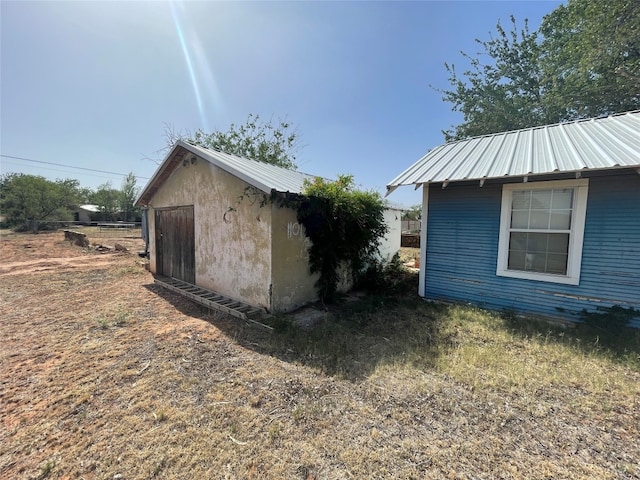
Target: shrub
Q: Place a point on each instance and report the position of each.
(344, 224)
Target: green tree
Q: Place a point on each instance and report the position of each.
(413, 213)
(591, 58)
(503, 93)
(584, 61)
(85, 195)
(267, 142)
(107, 199)
(128, 194)
(33, 202)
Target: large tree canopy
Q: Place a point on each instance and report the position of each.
(592, 58)
(29, 201)
(107, 198)
(503, 94)
(583, 62)
(256, 139)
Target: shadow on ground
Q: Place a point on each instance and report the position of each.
(350, 339)
(354, 338)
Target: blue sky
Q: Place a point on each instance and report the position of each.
(92, 84)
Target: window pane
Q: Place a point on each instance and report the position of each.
(558, 243)
(561, 220)
(536, 262)
(518, 241)
(538, 252)
(516, 261)
(539, 219)
(521, 200)
(520, 219)
(541, 199)
(557, 263)
(563, 199)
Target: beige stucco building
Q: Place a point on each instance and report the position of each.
(210, 224)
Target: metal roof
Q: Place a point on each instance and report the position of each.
(594, 144)
(89, 208)
(263, 176)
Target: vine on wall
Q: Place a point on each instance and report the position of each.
(253, 194)
(345, 226)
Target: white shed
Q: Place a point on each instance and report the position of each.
(84, 213)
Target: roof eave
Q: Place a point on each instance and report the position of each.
(175, 157)
(520, 177)
(164, 170)
(228, 168)
(590, 145)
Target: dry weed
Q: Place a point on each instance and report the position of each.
(389, 389)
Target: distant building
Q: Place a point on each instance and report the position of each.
(85, 214)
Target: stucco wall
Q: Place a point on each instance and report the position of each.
(253, 253)
(232, 247)
(293, 286)
(390, 244)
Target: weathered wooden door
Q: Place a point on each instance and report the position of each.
(175, 245)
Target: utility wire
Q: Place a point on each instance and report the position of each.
(69, 166)
(19, 165)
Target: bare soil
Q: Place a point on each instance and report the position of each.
(105, 376)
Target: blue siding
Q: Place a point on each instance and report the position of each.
(462, 250)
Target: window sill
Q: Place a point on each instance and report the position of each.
(540, 277)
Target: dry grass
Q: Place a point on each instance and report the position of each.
(103, 375)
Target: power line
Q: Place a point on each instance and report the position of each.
(69, 166)
(50, 169)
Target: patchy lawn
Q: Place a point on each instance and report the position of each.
(104, 375)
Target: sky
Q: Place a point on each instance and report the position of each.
(93, 84)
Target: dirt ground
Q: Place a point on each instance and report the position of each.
(46, 252)
(105, 376)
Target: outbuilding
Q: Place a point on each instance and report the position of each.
(210, 224)
(542, 221)
(85, 214)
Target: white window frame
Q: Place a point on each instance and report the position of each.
(576, 233)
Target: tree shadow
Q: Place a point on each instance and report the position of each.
(354, 338)
(359, 336)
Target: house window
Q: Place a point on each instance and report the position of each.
(541, 230)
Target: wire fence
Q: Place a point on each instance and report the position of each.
(104, 229)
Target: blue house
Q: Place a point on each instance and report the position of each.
(542, 221)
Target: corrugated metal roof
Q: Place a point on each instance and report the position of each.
(264, 176)
(594, 144)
